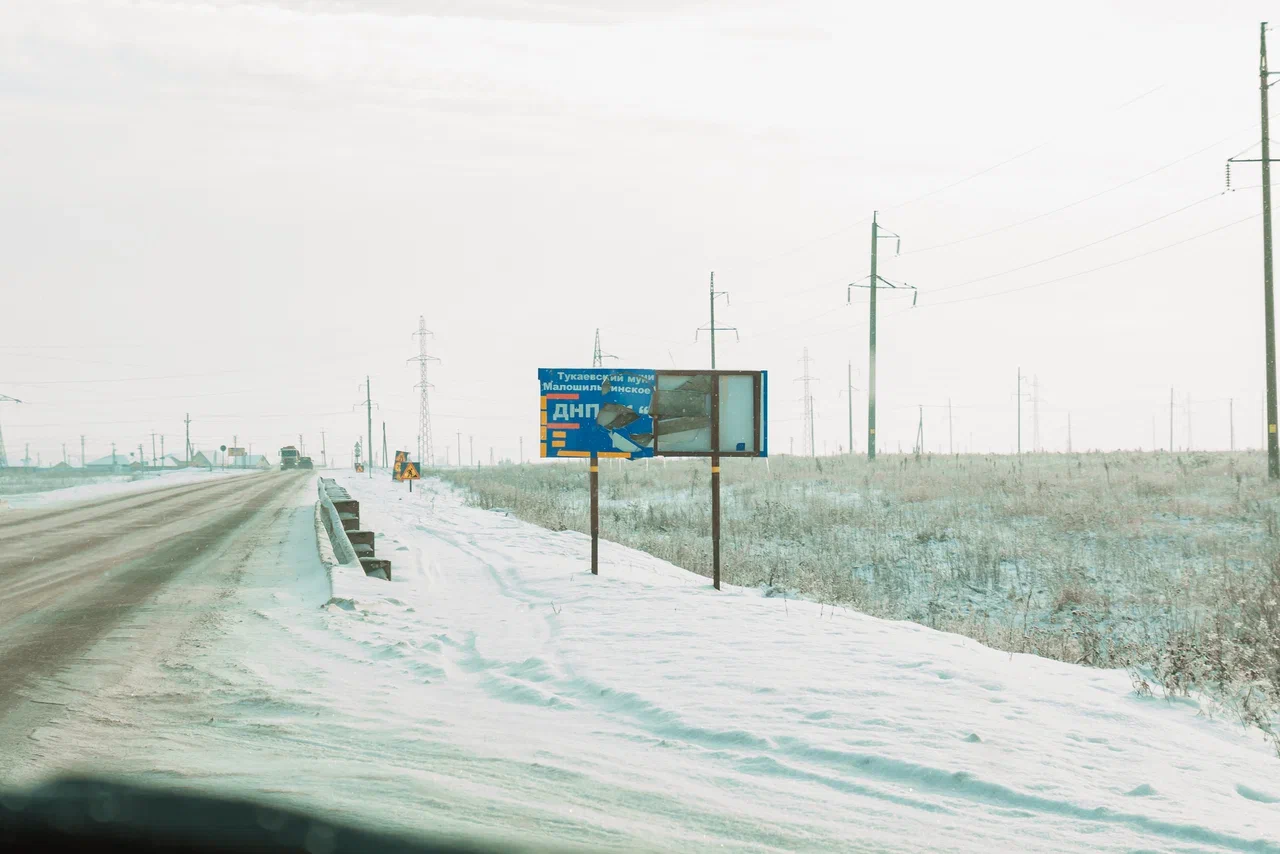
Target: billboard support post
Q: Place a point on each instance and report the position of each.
(715, 482)
(595, 513)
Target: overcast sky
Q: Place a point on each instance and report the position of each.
(239, 208)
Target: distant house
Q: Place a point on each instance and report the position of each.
(110, 463)
(60, 467)
(199, 460)
(252, 461)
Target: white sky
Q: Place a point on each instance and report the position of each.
(239, 209)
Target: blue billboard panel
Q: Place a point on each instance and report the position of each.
(605, 411)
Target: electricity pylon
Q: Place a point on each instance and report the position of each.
(425, 449)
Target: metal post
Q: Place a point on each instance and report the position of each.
(715, 520)
(1273, 442)
(871, 367)
(368, 402)
(595, 513)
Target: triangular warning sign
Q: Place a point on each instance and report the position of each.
(409, 472)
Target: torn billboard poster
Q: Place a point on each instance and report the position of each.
(602, 411)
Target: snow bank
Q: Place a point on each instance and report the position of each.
(643, 707)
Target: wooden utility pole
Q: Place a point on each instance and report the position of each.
(1268, 296)
(711, 326)
(1019, 396)
(850, 393)
(874, 281)
(951, 436)
(187, 422)
(1273, 442)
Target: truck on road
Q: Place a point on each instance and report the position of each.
(288, 457)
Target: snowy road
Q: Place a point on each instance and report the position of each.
(71, 578)
(495, 687)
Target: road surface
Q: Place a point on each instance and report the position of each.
(79, 586)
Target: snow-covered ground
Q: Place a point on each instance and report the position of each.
(110, 486)
(495, 687)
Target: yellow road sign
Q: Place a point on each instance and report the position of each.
(409, 472)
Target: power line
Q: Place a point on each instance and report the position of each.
(1078, 248)
(1095, 269)
(1083, 200)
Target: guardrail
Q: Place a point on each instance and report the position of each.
(341, 518)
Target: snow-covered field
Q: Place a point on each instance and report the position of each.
(496, 687)
(108, 486)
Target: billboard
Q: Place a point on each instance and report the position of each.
(639, 412)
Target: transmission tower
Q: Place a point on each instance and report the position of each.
(425, 450)
(806, 441)
(598, 355)
(4, 460)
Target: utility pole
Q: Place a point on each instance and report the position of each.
(324, 461)
(113, 457)
(384, 445)
(919, 448)
(153, 447)
(426, 450)
(1268, 297)
(1019, 395)
(368, 407)
(188, 423)
(874, 281)
(808, 404)
(1273, 442)
(142, 461)
(459, 449)
(471, 454)
(162, 450)
(491, 456)
(1035, 414)
(598, 355)
(711, 327)
(850, 393)
(1190, 444)
(951, 440)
